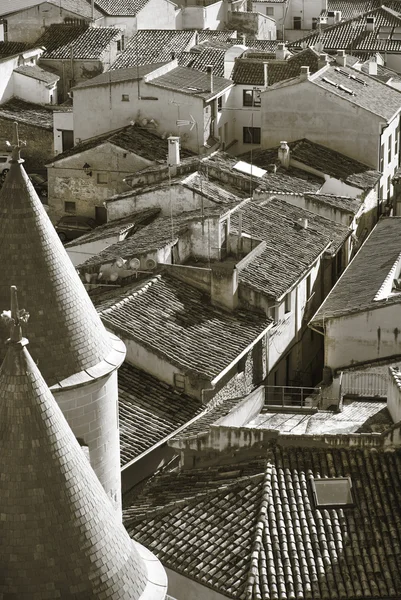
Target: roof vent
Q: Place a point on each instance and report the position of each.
(303, 222)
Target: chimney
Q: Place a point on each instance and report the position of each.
(209, 71)
(304, 74)
(341, 58)
(243, 39)
(266, 74)
(323, 60)
(281, 51)
(224, 286)
(372, 66)
(173, 158)
(284, 154)
(370, 23)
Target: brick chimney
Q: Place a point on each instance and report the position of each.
(281, 51)
(209, 71)
(173, 158)
(341, 58)
(284, 154)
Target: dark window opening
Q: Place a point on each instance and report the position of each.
(251, 135)
(67, 139)
(297, 22)
(70, 207)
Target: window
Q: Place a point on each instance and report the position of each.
(5, 30)
(287, 303)
(308, 286)
(270, 11)
(241, 365)
(390, 143)
(125, 98)
(381, 193)
(219, 102)
(396, 139)
(67, 139)
(331, 492)
(251, 135)
(100, 214)
(297, 22)
(70, 207)
(179, 381)
(314, 22)
(388, 186)
(120, 44)
(381, 168)
(102, 178)
(251, 98)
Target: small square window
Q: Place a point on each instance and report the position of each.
(297, 22)
(270, 11)
(390, 143)
(125, 98)
(288, 303)
(179, 381)
(308, 286)
(251, 135)
(70, 207)
(332, 492)
(102, 178)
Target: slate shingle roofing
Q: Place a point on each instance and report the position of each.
(291, 250)
(122, 8)
(86, 42)
(323, 159)
(28, 113)
(149, 411)
(361, 281)
(352, 34)
(80, 8)
(132, 138)
(149, 46)
(37, 73)
(359, 89)
(250, 529)
(59, 534)
(173, 320)
(194, 83)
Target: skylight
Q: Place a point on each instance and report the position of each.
(332, 492)
(245, 167)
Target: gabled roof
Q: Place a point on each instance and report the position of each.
(205, 54)
(352, 34)
(250, 529)
(121, 8)
(66, 334)
(359, 89)
(132, 138)
(59, 534)
(172, 319)
(354, 8)
(357, 287)
(191, 82)
(345, 204)
(149, 411)
(11, 48)
(118, 76)
(291, 249)
(383, 73)
(37, 73)
(84, 42)
(81, 8)
(28, 113)
(149, 46)
(322, 159)
(215, 35)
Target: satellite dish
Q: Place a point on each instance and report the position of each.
(150, 264)
(134, 264)
(120, 262)
(88, 277)
(113, 276)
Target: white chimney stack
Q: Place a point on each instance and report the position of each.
(173, 158)
(280, 51)
(284, 154)
(372, 66)
(265, 74)
(341, 58)
(209, 71)
(304, 75)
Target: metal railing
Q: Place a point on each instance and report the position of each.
(301, 397)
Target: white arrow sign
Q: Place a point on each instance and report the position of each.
(186, 122)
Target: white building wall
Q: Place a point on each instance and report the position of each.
(240, 116)
(157, 14)
(362, 337)
(62, 121)
(390, 159)
(32, 90)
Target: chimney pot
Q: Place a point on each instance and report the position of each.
(341, 58)
(281, 51)
(372, 66)
(284, 154)
(173, 151)
(304, 73)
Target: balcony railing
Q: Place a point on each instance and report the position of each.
(287, 396)
(364, 384)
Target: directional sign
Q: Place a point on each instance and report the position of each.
(186, 122)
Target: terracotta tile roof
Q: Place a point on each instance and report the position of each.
(344, 203)
(291, 249)
(123, 8)
(356, 289)
(81, 8)
(359, 89)
(383, 73)
(11, 48)
(157, 234)
(37, 73)
(119, 75)
(352, 35)
(67, 534)
(251, 530)
(216, 35)
(324, 159)
(149, 411)
(65, 331)
(134, 139)
(279, 71)
(149, 46)
(191, 82)
(173, 320)
(248, 71)
(28, 113)
(354, 8)
(202, 55)
(265, 45)
(86, 42)
(118, 228)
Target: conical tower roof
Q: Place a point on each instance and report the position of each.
(59, 535)
(65, 332)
